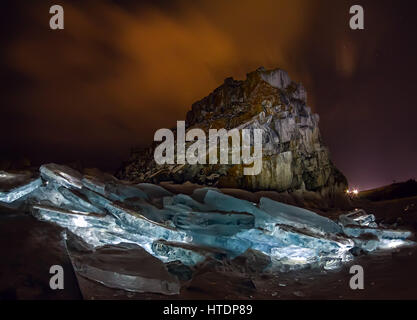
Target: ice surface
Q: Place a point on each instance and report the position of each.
(19, 191)
(297, 217)
(226, 203)
(69, 218)
(122, 192)
(101, 210)
(309, 239)
(379, 232)
(137, 223)
(154, 191)
(233, 246)
(62, 175)
(294, 255)
(358, 217)
(367, 244)
(152, 212)
(370, 238)
(116, 266)
(188, 255)
(200, 193)
(78, 199)
(94, 184)
(188, 201)
(213, 223)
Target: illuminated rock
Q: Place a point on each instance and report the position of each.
(294, 156)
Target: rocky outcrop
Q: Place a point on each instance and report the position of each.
(294, 156)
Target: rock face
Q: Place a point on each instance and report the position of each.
(294, 156)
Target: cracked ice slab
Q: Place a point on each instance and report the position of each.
(188, 201)
(95, 229)
(297, 217)
(215, 223)
(188, 254)
(79, 200)
(61, 175)
(17, 191)
(69, 218)
(95, 184)
(116, 266)
(372, 238)
(357, 231)
(293, 255)
(329, 251)
(137, 223)
(154, 191)
(151, 212)
(359, 218)
(222, 202)
(121, 192)
(309, 239)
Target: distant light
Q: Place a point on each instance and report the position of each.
(354, 192)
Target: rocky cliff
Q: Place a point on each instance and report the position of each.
(294, 156)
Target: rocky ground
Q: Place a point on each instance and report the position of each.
(29, 247)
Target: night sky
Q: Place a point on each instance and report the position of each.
(123, 69)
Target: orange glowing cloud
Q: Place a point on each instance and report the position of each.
(117, 74)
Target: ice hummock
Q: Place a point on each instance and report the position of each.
(102, 210)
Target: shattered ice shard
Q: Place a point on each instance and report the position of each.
(71, 218)
(154, 191)
(233, 246)
(294, 255)
(62, 175)
(16, 186)
(94, 184)
(321, 249)
(188, 254)
(371, 238)
(153, 213)
(188, 201)
(223, 202)
(356, 231)
(79, 200)
(309, 239)
(386, 238)
(120, 192)
(96, 199)
(367, 242)
(137, 223)
(116, 267)
(358, 217)
(215, 223)
(297, 217)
